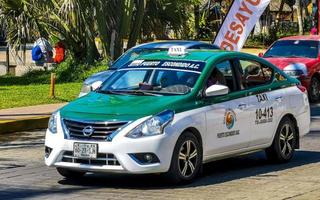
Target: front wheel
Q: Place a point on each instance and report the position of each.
(314, 91)
(186, 159)
(70, 174)
(283, 146)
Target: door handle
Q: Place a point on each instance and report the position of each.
(279, 99)
(242, 106)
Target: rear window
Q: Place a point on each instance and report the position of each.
(294, 48)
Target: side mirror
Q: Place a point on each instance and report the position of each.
(260, 54)
(319, 57)
(216, 90)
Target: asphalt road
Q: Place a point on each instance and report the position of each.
(24, 175)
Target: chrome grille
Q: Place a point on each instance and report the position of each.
(101, 130)
(102, 159)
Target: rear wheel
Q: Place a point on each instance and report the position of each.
(186, 159)
(283, 146)
(314, 91)
(70, 174)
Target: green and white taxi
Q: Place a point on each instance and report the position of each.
(170, 112)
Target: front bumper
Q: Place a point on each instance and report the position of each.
(120, 147)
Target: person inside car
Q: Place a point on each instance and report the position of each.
(216, 77)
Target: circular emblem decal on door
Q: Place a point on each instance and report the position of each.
(229, 118)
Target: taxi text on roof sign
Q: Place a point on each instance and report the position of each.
(177, 51)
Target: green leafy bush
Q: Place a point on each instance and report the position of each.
(73, 71)
(68, 71)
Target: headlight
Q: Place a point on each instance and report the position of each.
(296, 70)
(86, 88)
(52, 125)
(294, 73)
(153, 125)
(95, 85)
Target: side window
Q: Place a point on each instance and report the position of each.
(255, 74)
(222, 74)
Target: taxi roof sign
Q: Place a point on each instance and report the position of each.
(177, 51)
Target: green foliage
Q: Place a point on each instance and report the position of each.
(68, 71)
(73, 71)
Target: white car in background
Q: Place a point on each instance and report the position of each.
(94, 81)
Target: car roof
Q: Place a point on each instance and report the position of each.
(166, 44)
(303, 37)
(194, 55)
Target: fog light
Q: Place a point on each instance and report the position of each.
(145, 158)
(47, 151)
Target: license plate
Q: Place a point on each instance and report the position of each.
(85, 150)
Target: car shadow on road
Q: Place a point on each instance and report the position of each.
(213, 173)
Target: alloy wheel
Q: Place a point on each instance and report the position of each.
(188, 156)
(286, 140)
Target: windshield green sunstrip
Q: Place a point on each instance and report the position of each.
(182, 65)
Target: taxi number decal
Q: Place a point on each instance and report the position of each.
(262, 97)
(264, 115)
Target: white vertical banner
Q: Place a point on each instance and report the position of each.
(238, 23)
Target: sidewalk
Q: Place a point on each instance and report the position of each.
(26, 118)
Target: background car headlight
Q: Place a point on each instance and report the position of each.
(86, 89)
(153, 125)
(294, 73)
(52, 125)
(296, 70)
(96, 85)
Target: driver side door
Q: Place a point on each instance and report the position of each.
(227, 116)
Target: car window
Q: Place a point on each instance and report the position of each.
(222, 74)
(254, 74)
(206, 46)
(293, 48)
(131, 55)
(163, 77)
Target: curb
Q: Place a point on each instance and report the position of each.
(24, 124)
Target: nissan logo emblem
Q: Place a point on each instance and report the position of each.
(88, 131)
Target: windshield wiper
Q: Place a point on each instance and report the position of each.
(110, 92)
(294, 56)
(138, 92)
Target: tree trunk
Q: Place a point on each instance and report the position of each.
(280, 10)
(136, 23)
(124, 9)
(299, 16)
(196, 20)
(102, 28)
(279, 15)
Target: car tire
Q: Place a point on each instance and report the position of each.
(186, 162)
(314, 91)
(70, 174)
(284, 142)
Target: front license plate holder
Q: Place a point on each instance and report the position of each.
(85, 150)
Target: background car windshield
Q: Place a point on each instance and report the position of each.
(162, 78)
(131, 55)
(293, 48)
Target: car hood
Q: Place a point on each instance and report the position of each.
(100, 76)
(102, 107)
(282, 62)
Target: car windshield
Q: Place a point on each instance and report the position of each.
(133, 54)
(293, 48)
(154, 78)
